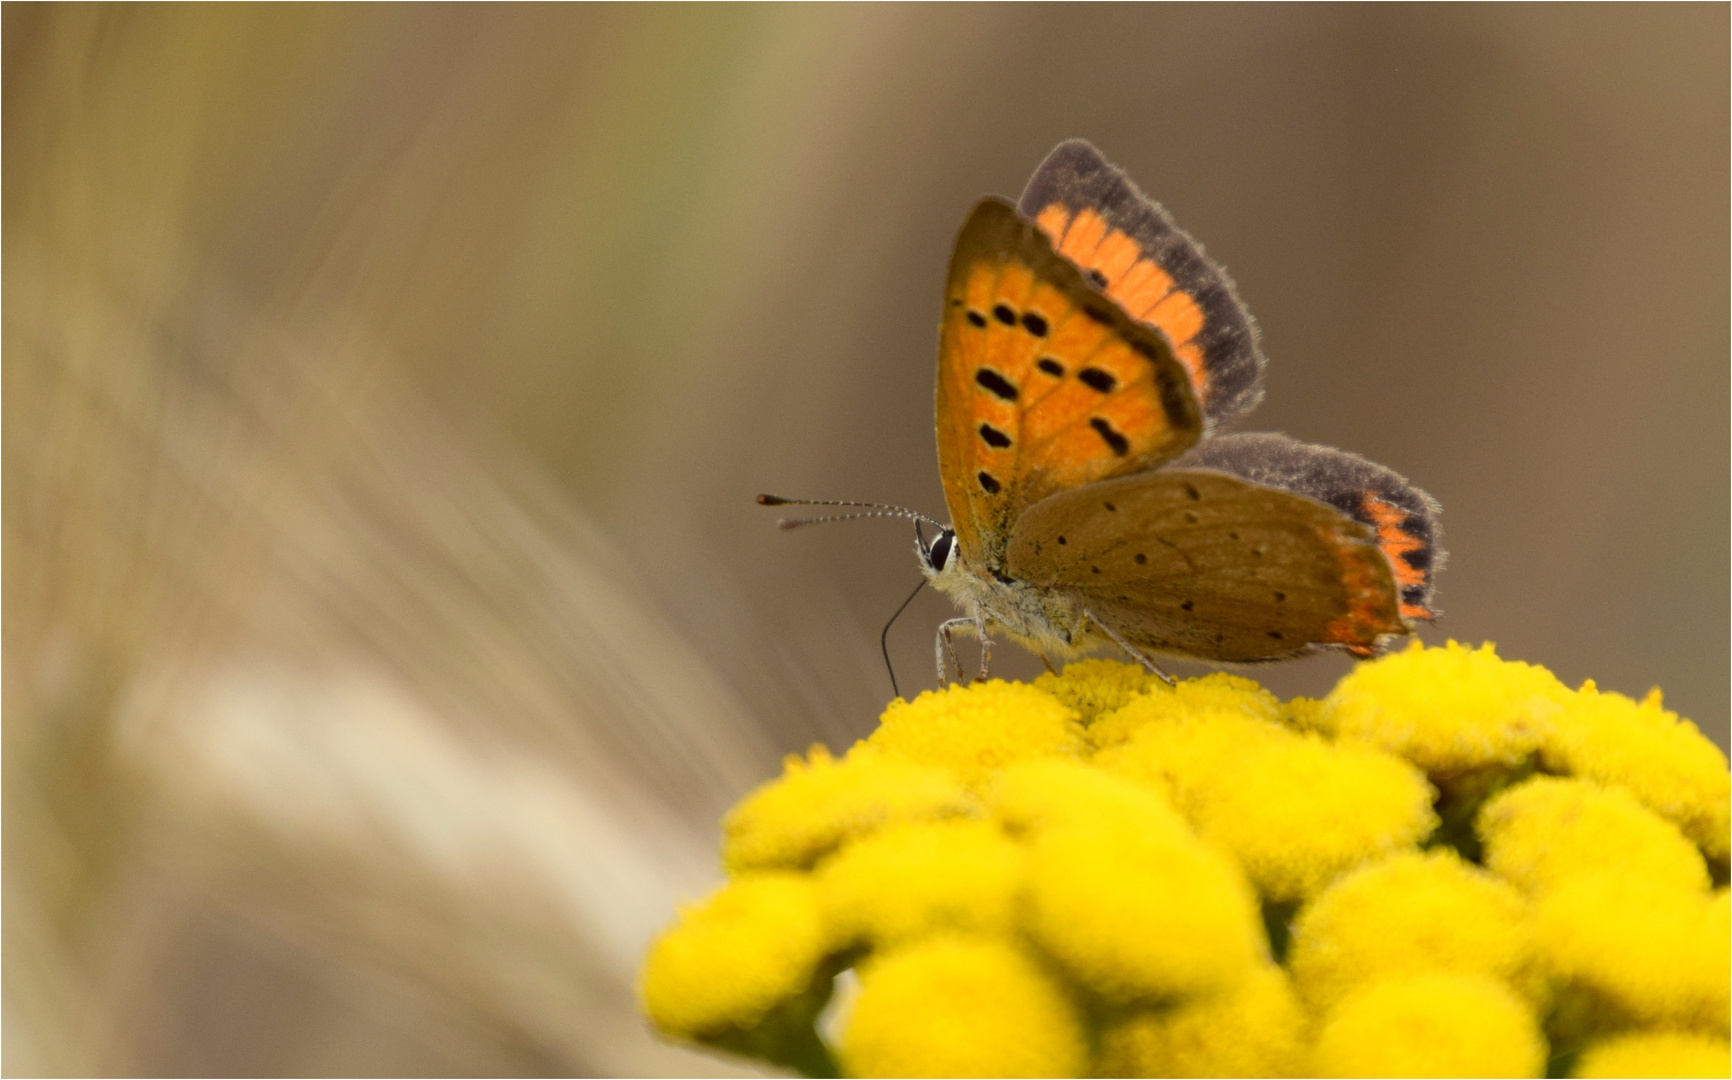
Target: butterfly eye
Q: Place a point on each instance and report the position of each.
(940, 553)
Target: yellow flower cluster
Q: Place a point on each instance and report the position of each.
(1451, 865)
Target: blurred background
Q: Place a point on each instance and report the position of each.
(387, 619)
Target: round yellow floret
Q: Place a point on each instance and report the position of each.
(1407, 916)
(1255, 1029)
(817, 804)
(1192, 699)
(1183, 755)
(1656, 1054)
(1547, 830)
(912, 879)
(961, 1007)
(1447, 710)
(752, 944)
(1097, 687)
(1646, 749)
(1430, 1025)
(1297, 811)
(1135, 916)
(975, 730)
(1040, 795)
(1655, 953)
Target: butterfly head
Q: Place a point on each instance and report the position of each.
(938, 555)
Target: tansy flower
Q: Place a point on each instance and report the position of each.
(1647, 951)
(1448, 710)
(962, 1006)
(1257, 1028)
(1408, 915)
(1450, 865)
(1430, 1025)
(1648, 751)
(1655, 1053)
(753, 944)
(1548, 830)
(820, 802)
(919, 878)
(975, 731)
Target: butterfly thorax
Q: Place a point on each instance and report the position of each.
(1043, 620)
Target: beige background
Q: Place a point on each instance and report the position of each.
(387, 620)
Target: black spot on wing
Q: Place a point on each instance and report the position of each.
(1418, 558)
(1097, 279)
(1004, 314)
(994, 437)
(1175, 398)
(1098, 314)
(1114, 438)
(996, 384)
(988, 482)
(976, 318)
(1096, 379)
(1050, 366)
(1034, 324)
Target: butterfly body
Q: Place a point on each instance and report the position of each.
(1088, 353)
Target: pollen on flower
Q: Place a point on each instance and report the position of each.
(974, 731)
(1547, 830)
(728, 960)
(922, 877)
(1186, 754)
(1650, 752)
(1447, 710)
(1211, 695)
(1430, 1025)
(820, 802)
(1409, 915)
(1655, 1053)
(1097, 687)
(1255, 1029)
(1653, 953)
(961, 1006)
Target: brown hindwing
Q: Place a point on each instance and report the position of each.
(1043, 383)
(1403, 517)
(1098, 219)
(1204, 564)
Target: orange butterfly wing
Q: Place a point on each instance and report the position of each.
(1134, 253)
(1043, 383)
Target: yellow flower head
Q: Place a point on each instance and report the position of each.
(1297, 811)
(1255, 1029)
(1039, 795)
(1652, 951)
(1646, 749)
(974, 731)
(819, 803)
(1448, 710)
(754, 943)
(1655, 1053)
(1546, 830)
(1100, 872)
(1134, 916)
(1430, 1025)
(912, 879)
(1409, 915)
(1182, 754)
(959, 1006)
(1097, 687)
(1192, 699)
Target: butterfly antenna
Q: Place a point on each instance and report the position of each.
(884, 637)
(873, 510)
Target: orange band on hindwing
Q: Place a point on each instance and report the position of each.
(1409, 555)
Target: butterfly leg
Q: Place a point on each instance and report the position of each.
(946, 649)
(985, 642)
(1136, 654)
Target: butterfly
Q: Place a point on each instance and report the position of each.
(1089, 356)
